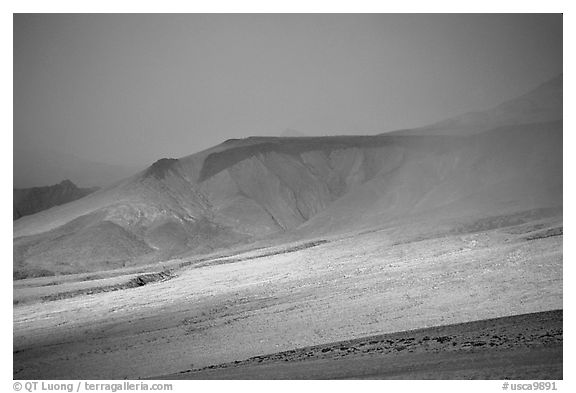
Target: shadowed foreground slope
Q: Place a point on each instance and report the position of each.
(526, 347)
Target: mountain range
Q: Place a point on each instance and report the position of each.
(478, 166)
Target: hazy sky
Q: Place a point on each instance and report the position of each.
(129, 89)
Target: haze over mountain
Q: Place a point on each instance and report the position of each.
(502, 161)
(128, 89)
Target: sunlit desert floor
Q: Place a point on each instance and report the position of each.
(265, 302)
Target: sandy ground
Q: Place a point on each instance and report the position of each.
(342, 290)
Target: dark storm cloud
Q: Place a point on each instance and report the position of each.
(128, 89)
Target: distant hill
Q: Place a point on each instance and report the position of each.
(243, 190)
(28, 201)
(543, 104)
(34, 168)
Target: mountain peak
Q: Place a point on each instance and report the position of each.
(67, 183)
(160, 168)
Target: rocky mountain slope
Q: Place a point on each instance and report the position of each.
(28, 201)
(507, 162)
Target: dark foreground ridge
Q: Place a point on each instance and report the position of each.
(527, 346)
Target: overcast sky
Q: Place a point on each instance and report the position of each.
(129, 89)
